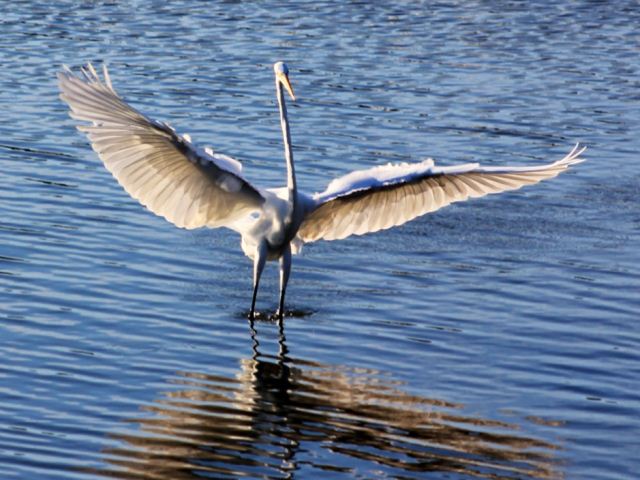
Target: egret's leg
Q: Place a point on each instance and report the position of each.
(285, 269)
(259, 260)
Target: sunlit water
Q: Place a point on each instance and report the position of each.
(493, 339)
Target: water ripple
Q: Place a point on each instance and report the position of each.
(494, 339)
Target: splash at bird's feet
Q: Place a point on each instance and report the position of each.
(275, 316)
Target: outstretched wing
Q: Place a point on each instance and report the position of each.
(383, 197)
(190, 187)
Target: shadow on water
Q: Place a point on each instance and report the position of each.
(280, 415)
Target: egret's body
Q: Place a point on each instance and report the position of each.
(193, 187)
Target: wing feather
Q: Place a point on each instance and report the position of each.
(383, 197)
(189, 187)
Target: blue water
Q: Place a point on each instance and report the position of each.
(498, 338)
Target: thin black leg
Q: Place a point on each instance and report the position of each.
(259, 260)
(285, 270)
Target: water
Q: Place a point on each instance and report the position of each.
(492, 339)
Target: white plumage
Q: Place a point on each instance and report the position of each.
(383, 197)
(196, 187)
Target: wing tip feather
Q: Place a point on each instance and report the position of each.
(573, 157)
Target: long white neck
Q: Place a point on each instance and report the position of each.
(288, 153)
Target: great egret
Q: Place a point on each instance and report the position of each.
(196, 187)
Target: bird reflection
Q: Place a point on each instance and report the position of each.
(282, 417)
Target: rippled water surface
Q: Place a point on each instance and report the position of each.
(498, 338)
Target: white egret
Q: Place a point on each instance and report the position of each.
(195, 187)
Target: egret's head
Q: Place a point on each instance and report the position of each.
(282, 76)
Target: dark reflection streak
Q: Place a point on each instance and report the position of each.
(277, 382)
(33, 150)
(50, 183)
(264, 422)
(282, 342)
(255, 344)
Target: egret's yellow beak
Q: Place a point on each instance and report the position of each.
(284, 78)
